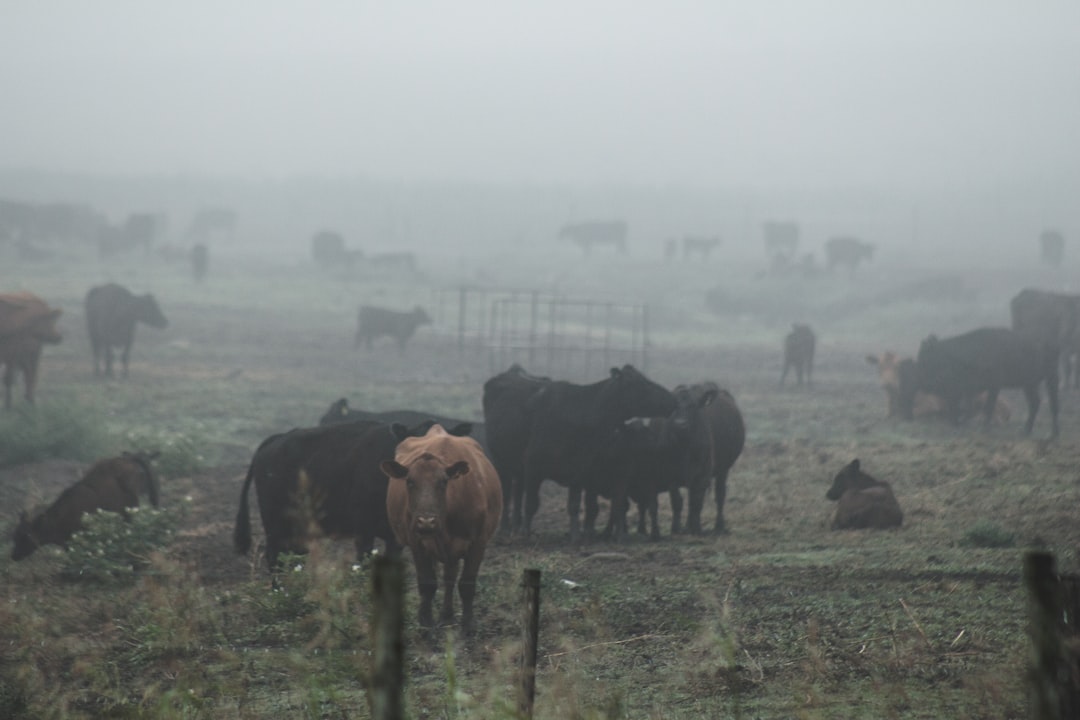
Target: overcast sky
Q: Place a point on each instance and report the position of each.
(763, 92)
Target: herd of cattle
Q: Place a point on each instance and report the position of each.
(442, 486)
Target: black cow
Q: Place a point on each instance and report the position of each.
(340, 412)
(376, 322)
(847, 251)
(596, 232)
(325, 478)
(988, 359)
(799, 353)
(1052, 317)
(111, 314)
(570, 423)
(508, 417)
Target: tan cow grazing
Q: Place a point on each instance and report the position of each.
(863, 501)
(113, 484)
(444, 501)
(26, 324)
(897, 376)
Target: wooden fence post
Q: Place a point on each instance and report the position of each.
(529, 641)
(1045, 619)
(388, 678)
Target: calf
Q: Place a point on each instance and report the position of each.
(320, 481)
(111, 314)
(863, 501)
(799, 353)
(26, 325)
(444, 501)
(374, 322)
(113, 484)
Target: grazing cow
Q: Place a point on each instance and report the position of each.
(898, 379)
(1052, 317)
(444, 501)
(375, 322)
(710, 414)
(111, 313)
(1052, 247)
(799, 353)
(957, 369)
(592, 233)
(322, 480)
(26, 324)
(569, 425)
(695, 245)
(508, 416)
(113, 484)
(200, 261)
(863, 501)
(847, 251)
(328, 248)
(340, 412)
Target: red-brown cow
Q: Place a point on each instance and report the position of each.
(444, 501)
(26, 324)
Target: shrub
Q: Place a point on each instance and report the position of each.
(111, 548)
(180, 453)
(68, 431)
(986, 534)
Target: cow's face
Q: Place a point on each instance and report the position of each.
(25, 542)
(689, 402)
(426, 482)
(629, 393)
(150, 313)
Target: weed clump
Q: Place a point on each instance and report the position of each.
(69, 431)
(985, 534)
(112, 549)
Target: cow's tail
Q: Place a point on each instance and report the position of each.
(242, 530)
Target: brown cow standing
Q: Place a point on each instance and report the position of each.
(863, 501)
(113, 484)
(26, 323)
(799, 353)
(444, 502)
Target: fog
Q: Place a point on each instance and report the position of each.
(893, 120)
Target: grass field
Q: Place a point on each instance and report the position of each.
(781, 618)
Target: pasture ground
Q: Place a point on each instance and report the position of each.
(780, 618)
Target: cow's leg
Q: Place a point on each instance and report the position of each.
(364, 545)
(30, 372)
(108, 361)
(641, 510)
(125, 356)
(783, 374)
(467, 585)
(573, 508)
(9, 380)
(696, 491)
(592, 509)
(532, 501)
(450, 576)
(675, 495)
(1033, 402)
(426, 585)
(721, 494)
(798, 373)
(518, 490)
(1052, 396)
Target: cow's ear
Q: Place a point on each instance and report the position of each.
(615, 372)
(461, 429)
(394, 469)
(872, 359)
(855, 465)
(708, 397)
(457, 469)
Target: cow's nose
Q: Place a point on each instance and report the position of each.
(426, 523)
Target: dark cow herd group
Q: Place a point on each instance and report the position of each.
(442, 486)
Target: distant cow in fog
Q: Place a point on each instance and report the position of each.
(375, 322)
(113, 485)
(847, 251)
(328, 248)
(799, 353)
(698, 246)
(26, 324)
(863, 501)
(1052, 247)
(200, 261)
(898, 379)
(111, 314)
(988, 359)
(592, 233)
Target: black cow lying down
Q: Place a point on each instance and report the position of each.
(863, 501)
(324, 481)
(340, 412)
(957, 369)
